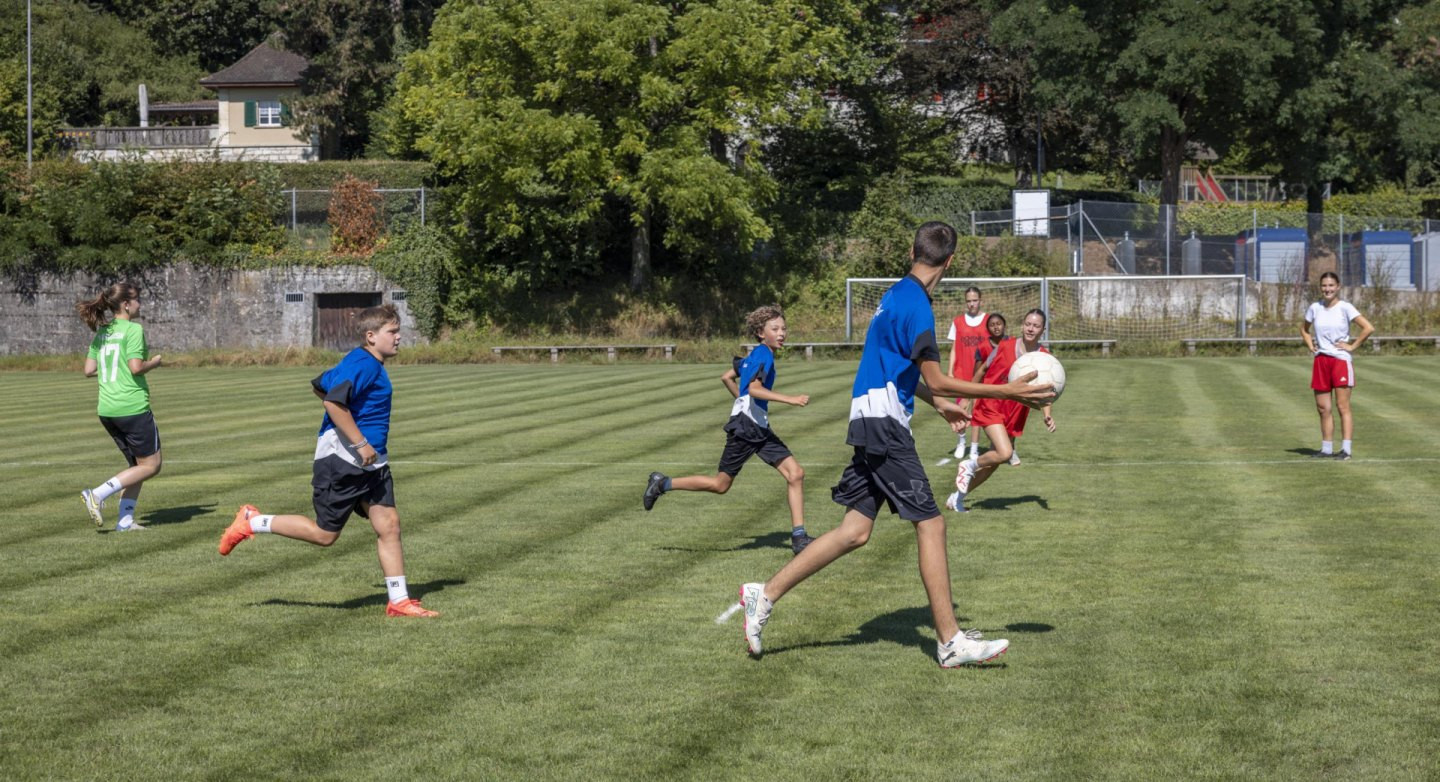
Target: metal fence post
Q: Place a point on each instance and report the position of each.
(847, 310)
(422, 207)
(293, 222)
(1342, 272)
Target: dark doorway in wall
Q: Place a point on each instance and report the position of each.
(335, 318)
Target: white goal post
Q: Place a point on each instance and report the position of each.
(1130, 307)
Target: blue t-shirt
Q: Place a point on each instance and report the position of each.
(750, 415)
(360, 383)
(901, 335)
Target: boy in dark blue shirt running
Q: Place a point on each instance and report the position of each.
(900, 350)
(748, 432)
(351, 472)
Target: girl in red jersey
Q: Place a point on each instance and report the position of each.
(968, 336)
(1004, 421)
(1326, 331)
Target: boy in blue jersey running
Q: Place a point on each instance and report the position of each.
(351, 472)
(900, 350)
(748, 431)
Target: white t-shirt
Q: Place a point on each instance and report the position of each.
(1331, 325)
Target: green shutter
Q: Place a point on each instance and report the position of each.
(250, 114)
(287, 119)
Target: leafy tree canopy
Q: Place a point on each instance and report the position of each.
(563, 120)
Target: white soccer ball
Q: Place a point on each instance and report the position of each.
(1046, 366)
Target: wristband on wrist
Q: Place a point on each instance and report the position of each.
(361, 444)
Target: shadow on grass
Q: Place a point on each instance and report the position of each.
(1303, 451)
(1006, 503)
(768, 540)
(377, 599)
(910, 627)
(170, 516)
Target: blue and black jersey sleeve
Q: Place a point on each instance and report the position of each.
(339, 394)
(925, 348)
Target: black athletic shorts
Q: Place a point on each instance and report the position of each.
(338, 493)
(772, 451)
(134, 435)
(898, 478)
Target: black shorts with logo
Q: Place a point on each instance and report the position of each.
(134, 435)
(341, 489)
(738, 450)
(898, 478)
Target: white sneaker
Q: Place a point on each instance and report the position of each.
(131, 527)
(960, 448)
(955, 502)
(93, 507)
(756, 613)
(963, 476)
(968, 647)
(1014, 458)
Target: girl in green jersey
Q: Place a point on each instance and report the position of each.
(119, 358)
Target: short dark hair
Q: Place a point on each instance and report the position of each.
(375, 318)
(975, 290)
(1040, 312)
(1331, 275)
(934, 243)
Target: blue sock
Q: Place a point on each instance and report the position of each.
(798, 532)
(664, 487)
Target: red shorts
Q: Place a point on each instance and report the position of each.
(1001, 411)
(1331, 372)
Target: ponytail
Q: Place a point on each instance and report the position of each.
(93, 311)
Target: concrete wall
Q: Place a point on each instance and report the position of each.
(187, 307)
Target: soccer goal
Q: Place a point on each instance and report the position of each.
(1125, 307)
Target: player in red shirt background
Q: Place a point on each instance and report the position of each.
(1004, 421)
(968, 334)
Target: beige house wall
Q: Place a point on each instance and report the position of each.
(233, 132)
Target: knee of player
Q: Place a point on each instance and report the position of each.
(722, 483)
(796, 474)
(325, 538)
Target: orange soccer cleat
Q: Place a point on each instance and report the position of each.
(408, 607)
(239, 529)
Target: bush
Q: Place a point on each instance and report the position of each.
(420, 259)
(116, 217)
(354, 216)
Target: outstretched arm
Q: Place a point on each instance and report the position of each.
(759, 391)
(1017, 390)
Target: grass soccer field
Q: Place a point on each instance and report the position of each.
(1187, 595)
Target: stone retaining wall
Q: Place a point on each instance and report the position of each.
(188, 307)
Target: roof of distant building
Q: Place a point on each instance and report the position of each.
(180, 108)
(263, 66)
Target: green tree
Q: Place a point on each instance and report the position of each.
(1157, 76)
(87, 68)
(561, 121)
(354, 48)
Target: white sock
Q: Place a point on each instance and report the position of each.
(396, 586)
(1325, 446)
(127, 513)
(974, 451)
(961, 445)
(973, 462)
(104, 490)
(261, 524)
(1345, 446)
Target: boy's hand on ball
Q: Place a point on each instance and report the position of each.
(1021, 391)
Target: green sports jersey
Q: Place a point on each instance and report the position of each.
(121, 393)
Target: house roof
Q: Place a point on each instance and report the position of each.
(194, 105)
(262, 66)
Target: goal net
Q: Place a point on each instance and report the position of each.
(1131, 308)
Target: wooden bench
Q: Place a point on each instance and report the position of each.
(809, 346)
(610, 350)
(1253, 342)
(1105, 344)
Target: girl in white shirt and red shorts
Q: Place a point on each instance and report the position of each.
(1326, 331)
